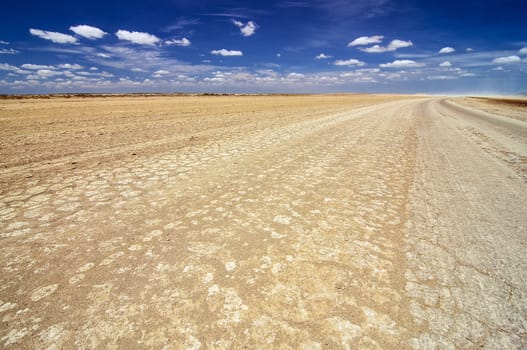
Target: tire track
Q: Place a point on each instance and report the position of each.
(466, 271)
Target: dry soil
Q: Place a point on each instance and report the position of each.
(291, 222)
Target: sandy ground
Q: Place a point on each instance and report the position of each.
(292, 222)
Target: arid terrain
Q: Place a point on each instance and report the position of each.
(289, 222)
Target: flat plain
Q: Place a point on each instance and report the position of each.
(291, 222)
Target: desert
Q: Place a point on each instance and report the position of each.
(283, 221)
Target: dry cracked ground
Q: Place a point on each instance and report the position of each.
(290, 222)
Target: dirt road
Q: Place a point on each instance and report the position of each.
(311, 222)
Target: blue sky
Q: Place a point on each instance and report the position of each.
(471, 47)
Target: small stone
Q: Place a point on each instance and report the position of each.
(230, 266)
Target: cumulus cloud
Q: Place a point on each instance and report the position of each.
(55, 37)
(140, 38)
(445, 64)
(392, 46)
(447, 49)
(36, 66)
(366, 40)
(374, 49)
(45, 73)
(506, 60)
(295, 76)
(88, 32)
(523, 51)
(247, 29)
(397, 44)
(224, 52)
(8, 67)
(365, 75)
(368, 70)
(401, 64)
(70, 66)
(350, 62)
(322, 56)
(160, 73)
(178, 42)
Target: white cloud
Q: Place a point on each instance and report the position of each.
(366, 40)
(181, 42)
(246, 29)
(441, 77)
(47, 73)
(8, 67)
(445, 64)
(126, 58)
(322, 56)
(447, 49)
(398, 44)
(103, 55)
(4, 42)
(392, 46)
(508, 59)
(295, 76)
(401, 64)
(224, 52)
(350, 62)
(364, 75)
(278, 55)
(70, 66)
(374, 49)
(36, 66)
(8, 51)
(359, 76)
(88, 32)
(140, 38)
(55, 37)
(160, 73)
(94, 68)
(368, 70)
(523, 51)
(469, 49)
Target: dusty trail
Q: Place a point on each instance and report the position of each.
(369, 226)
(467, 242)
